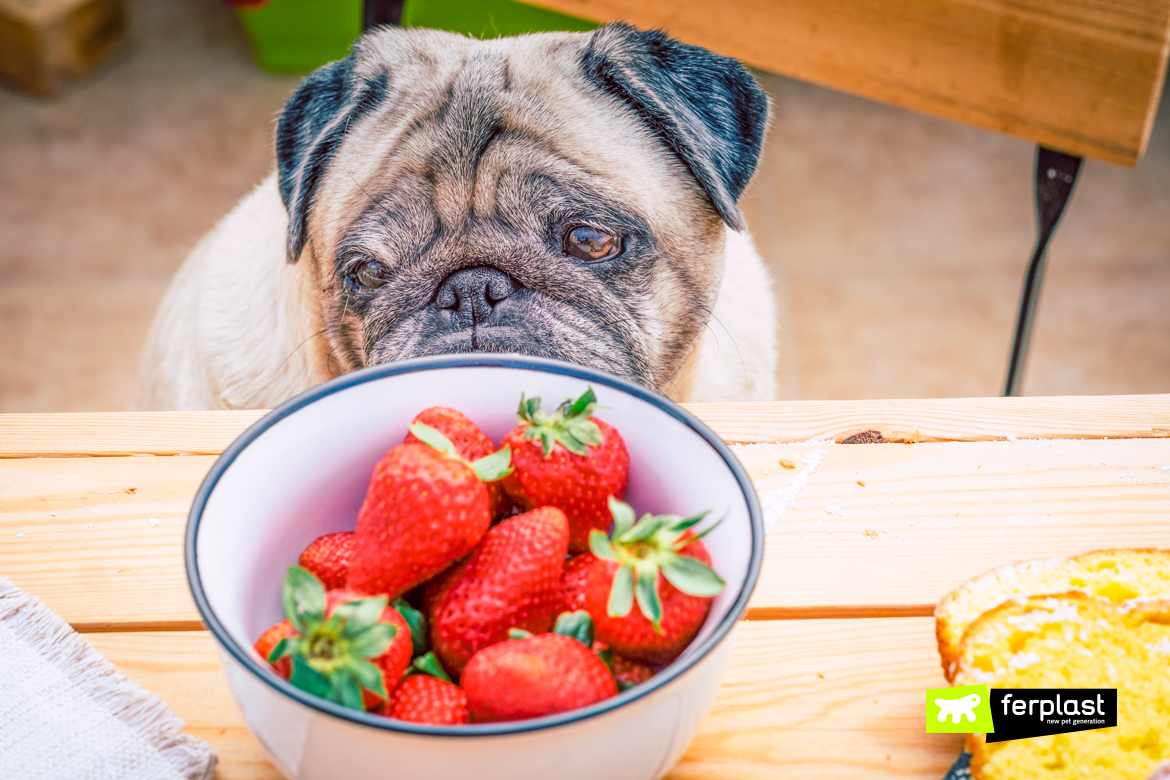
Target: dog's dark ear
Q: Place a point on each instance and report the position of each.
(707, 108)
(311, 128)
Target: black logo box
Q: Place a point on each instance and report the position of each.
(1019, 713)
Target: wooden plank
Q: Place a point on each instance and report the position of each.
(101, 538)
(944, 419)
(1077, 75)
(824, 698)
(121, 433)
(929, 517)
(840, 699)
(948, 419)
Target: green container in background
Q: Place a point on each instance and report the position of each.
(297, 36)
(488, 18)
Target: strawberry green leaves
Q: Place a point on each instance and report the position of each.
(417, 623)
(331, 656)
(429, 664)
(495, 466)
(691, 576)
(303, 598)
(578, 625)
(621, 593)
(303, 676)
(623, 519)
(489, 469)
(646, 592)
(568, 426)
(645, 548)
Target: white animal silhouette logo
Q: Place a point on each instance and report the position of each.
(957, 708)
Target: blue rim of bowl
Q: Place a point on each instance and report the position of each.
(675, 670)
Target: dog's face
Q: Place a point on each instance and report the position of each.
(556, 195)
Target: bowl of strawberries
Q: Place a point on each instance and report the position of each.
(475, 565)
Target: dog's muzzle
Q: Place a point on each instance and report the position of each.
(469, 298)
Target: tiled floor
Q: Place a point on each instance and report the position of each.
(897, 241)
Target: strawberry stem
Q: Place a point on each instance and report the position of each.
(490, 468)
(568, 426)
(330, 657)
(643, 550)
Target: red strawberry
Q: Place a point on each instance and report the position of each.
(629, 672)
(425, 699)
(510, 580)
(572, 592)
(661, 562)
(269, 640)
(328, 558)
(436, 590)
(344, 646)
(569, 461)
(423, 510)
(469, 441)
(534, 676)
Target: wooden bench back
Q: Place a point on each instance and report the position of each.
(1080, 76)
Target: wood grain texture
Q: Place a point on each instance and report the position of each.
(121, 433)
(824, 698)
(948, 419)
(929, 517)
(100, 540)
(1077, 75)
(838, 699)
(944, 419)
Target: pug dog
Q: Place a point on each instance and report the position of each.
(562, 195)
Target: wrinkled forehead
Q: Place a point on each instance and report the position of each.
(448, 98)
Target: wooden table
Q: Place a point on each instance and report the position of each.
(829, 669)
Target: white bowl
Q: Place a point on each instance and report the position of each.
(302, 470)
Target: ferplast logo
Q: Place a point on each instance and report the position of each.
(1037, 712)
(962, 710)
(1018, 713)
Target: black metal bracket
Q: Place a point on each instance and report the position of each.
(1056, 173)
(377, 12)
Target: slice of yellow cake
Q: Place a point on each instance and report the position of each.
(1074, 640)
(1116, 575)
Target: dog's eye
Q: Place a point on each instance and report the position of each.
(590, 244)
(369, 274)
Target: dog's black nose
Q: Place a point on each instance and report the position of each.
(472, 294)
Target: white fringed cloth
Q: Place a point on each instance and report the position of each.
(67, 714)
